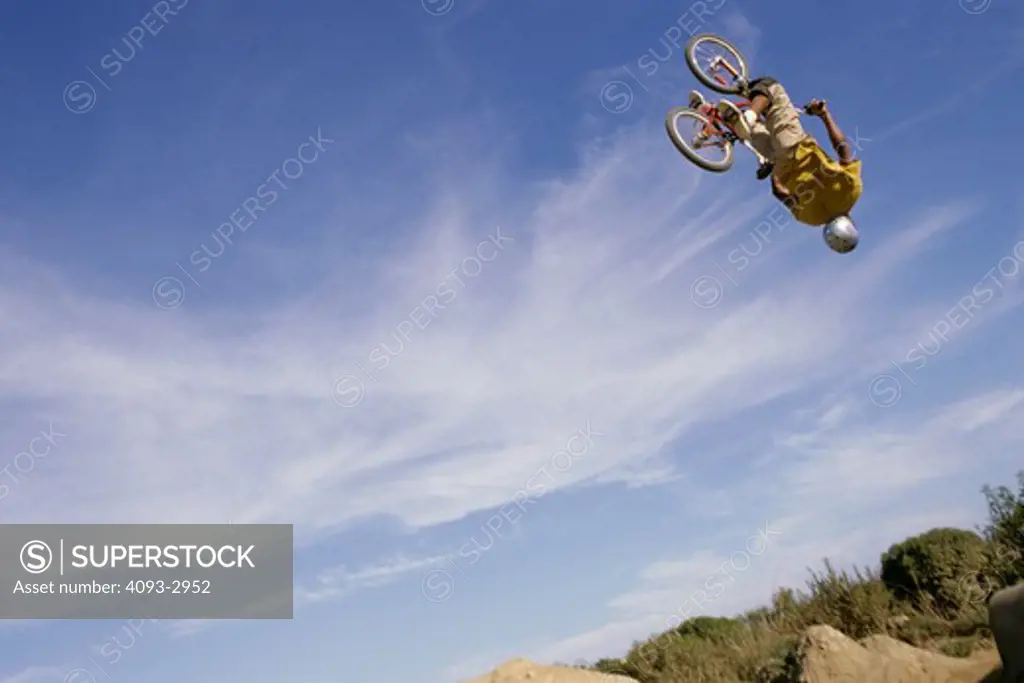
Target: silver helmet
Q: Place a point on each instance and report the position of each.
(841, 234)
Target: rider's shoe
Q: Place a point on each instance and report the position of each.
(765, 170)
(741, 121)
(696, 100)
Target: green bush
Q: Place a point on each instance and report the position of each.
(939, 569)
(712, 629)
(610, 665)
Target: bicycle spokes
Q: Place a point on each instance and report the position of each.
(716, 64)
(707, 138)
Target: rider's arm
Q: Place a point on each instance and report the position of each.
(839, 142)
(779, 191)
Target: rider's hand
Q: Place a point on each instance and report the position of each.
(816, 108)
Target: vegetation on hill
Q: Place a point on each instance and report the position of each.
(929, 591)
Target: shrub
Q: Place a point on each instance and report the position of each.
(1004, 557)
(712, 629)
(941, 568)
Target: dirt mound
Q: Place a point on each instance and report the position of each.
(827, 656)
(523, 671)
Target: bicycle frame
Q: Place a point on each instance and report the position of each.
(711, 112)
(716, 123)
(716, 126)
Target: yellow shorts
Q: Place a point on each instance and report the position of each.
(823, 188)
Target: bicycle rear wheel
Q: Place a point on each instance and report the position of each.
(717, 63)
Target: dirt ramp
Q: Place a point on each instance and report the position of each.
(523, 671)
(828, 656)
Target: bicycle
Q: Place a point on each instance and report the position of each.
(727, 75)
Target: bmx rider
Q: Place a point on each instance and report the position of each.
(817, 189)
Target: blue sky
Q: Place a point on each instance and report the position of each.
(614, 383)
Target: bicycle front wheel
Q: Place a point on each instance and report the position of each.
(717, 63)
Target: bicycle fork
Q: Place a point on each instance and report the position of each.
(720, 61)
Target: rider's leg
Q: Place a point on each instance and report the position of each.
(742, 121)
(782, 119)
(749, 128)
(759, 104)
(761, 140)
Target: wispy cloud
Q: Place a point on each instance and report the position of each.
(335, 583)
(878, 459)
(340, 581)
(182, 628)
(172, 423)
(38, 674)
